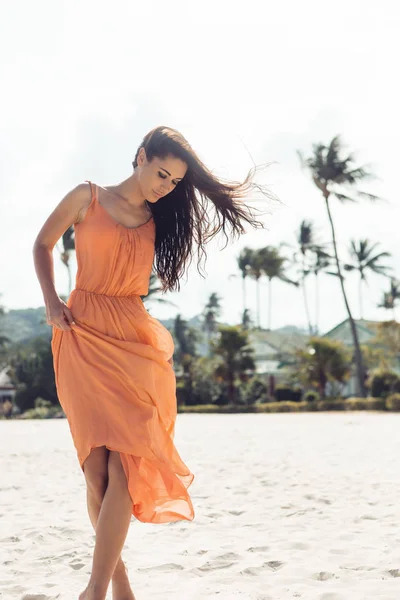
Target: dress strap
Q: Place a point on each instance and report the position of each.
(92, 190)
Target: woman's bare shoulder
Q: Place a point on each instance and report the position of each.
(69, 210)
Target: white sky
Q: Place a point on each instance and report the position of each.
(82, 84)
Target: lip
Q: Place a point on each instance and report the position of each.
(157, 194)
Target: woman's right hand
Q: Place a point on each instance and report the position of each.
(59, 315)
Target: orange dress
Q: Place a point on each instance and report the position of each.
(113, 378)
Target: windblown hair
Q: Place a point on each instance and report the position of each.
(182, 217)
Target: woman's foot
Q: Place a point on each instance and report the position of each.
(121, 589)
(89, 595)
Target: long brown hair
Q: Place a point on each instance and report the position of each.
(181, 216)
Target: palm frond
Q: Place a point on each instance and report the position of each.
(368, 196)
(343, 197)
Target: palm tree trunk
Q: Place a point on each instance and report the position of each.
(258, 302)
(244, 293)
(316, 303)
(303, 285)
(209, 341)
(357, 350)
(360, 297)
(269, 303)
(231, 385)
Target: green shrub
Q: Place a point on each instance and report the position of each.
(41, 412)
(311, 396)
(265, 399)
(356, 404)
(332, 404)
(287, 406)
(287, 393)
(42, 403)
(376, 404)
(383, 383)
(393, 402)
(255, 389)
(365, 404)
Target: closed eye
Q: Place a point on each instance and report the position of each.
(165, 177)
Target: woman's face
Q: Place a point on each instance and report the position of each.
(161, 176)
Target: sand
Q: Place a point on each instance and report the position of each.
(287, 506)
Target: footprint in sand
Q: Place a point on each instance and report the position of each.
(255, 571)
(394, 572)
(300, 546)
(324, 576)
(76, 565)
(228, 556)
(38, 597)
(213, 565)
(274, 564)
(164, 567)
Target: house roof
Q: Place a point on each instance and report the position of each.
(273, 342)
(367, 332)
(363, 324)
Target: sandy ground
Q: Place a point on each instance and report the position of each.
(287, 506)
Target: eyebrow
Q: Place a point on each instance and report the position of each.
(170, 173)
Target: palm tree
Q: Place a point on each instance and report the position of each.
(305, 241)
(365, 259)
(323, 360)
(390, 297)
(185, 352)
(246, 320)
(244, 264)
(237, 357)
(256, 272)
(330, 172)
(320, 262)
(68, 246)
(272, 266)
(211, 313)
(154, 288)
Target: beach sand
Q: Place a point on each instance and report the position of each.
(287, 506)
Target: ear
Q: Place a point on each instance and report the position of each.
(141, 155)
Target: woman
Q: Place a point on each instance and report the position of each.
(112, 360)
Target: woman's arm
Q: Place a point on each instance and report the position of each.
(66, 213)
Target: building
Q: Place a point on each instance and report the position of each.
(7, 390)
(366, 331)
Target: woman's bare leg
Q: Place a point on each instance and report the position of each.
(96, 473)
(111, 530)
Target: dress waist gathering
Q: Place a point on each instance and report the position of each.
(86, 291)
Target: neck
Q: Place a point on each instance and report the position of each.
(129, 189)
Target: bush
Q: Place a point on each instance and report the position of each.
(383, 383)
(41, 412)
(311, 396)
(255, 390)
(42, 403)
(283, 406)
(365, 404)
(287, 393)
(24, 398)
(393, 402)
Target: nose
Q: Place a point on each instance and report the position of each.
(165, 189)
